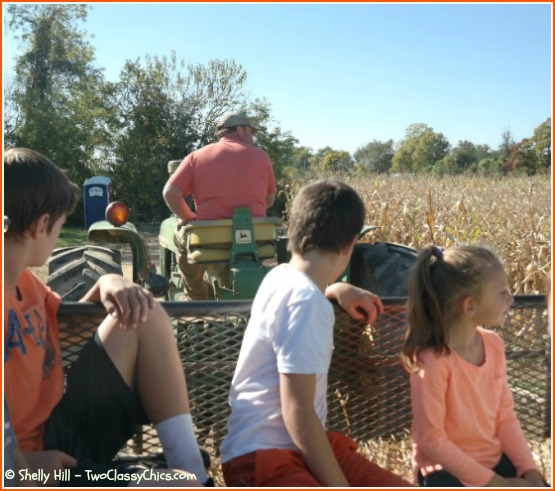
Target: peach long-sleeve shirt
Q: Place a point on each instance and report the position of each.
(463, 415)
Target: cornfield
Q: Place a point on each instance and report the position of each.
(510, 215)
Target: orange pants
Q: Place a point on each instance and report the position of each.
(286, 468)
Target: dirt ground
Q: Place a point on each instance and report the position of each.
(153, 248)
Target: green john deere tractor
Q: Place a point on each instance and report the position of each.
(243, 245)
(245, 248)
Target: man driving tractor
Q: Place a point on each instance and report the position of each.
(221, 176)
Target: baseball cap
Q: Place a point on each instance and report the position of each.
(229, 120)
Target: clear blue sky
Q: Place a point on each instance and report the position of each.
(345, 74)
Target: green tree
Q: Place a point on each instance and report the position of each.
(402, 159)
(375, 156)
(522, 159)
(278, 144)
(212, 90)
(420, 151)
(337, 161)
(155, 125)
(11, 110)
(58, 102)
(316, 158)
(490, 166)
(507, 142)
(541, 146)
(416, 130)
(464, 158)
(166, 110)
(301, 158)
(430, 149)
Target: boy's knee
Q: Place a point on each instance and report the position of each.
(159, 314)
(158, 321)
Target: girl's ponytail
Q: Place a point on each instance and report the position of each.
(425, 313)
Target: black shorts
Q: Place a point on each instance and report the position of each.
(98, 412)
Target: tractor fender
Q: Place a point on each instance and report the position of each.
(106, 233)
(382, 268)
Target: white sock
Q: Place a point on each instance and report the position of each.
(179, 442)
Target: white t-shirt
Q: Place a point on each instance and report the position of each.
(290, 331)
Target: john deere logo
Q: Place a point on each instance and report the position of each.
(243, 236)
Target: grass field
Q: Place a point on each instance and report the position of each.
(70, 236)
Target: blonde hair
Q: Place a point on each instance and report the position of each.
(436, 283)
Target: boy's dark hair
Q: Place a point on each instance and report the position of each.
(326, 215)
(35, 186)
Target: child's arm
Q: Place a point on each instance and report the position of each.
(302, 423)
(508, 482)
(535, 479)
(513, 440)
(46, 460)
(125, 301)
(358, 303)
(20, 464)
(429, 389)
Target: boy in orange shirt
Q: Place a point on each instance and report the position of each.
(129, 372)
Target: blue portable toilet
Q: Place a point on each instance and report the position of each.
(97, 196)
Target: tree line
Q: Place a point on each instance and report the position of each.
(160, 109)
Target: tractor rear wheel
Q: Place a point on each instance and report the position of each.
(382, 268)
(72, 271)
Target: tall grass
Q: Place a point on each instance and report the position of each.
(511, 215)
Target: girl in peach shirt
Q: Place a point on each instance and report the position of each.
(465, 431)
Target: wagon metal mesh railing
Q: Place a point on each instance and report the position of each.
(369, 390)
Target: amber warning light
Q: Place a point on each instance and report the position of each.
(117, 213)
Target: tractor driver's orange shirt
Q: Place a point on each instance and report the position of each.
(33, 373)
(224, 176)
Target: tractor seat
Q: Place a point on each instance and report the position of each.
(211, 240)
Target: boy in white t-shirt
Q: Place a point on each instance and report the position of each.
(277, 428)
